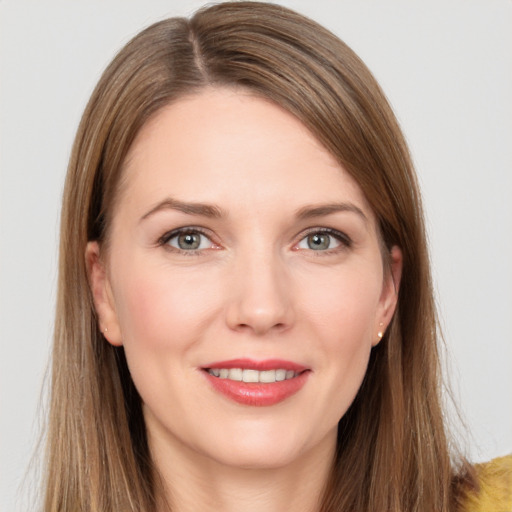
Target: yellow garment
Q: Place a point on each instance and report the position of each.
(495, 494)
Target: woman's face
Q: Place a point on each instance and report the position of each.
(240, 249)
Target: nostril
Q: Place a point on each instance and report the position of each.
(261, 328)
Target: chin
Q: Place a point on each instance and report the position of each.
(273, 447)
(258, 458)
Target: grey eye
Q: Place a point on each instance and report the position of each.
(319, 242)
(189, 241)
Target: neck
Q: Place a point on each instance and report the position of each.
(192, 481)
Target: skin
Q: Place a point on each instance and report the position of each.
(253, 289)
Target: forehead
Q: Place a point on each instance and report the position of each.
(230, 147)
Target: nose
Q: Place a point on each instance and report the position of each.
(260, 298)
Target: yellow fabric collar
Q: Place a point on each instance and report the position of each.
(495, 495)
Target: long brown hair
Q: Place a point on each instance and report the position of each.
(392, 453)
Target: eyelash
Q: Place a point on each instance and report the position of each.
(342, 238)
(192, 230)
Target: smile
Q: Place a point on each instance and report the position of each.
(249, 375)
(256, 383)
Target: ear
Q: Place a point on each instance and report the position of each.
(102, 295)
(389, 296)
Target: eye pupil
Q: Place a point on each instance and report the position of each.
(318, 241)
(189, 241)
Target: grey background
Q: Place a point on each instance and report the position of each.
(447, 69)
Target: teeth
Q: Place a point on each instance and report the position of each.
(246, 375)
(280, 375)
(251, 376)
(267, 376)
(235, 374)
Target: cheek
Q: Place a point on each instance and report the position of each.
(157, 307)
(343, 305)
(161, 316)
(342, 315)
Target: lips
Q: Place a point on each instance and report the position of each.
(256, 383)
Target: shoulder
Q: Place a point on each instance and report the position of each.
(495, 482)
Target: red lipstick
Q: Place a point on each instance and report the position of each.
(281, 379)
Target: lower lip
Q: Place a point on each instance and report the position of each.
(258, 394)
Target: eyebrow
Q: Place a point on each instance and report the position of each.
(213, 211)
(202, 209)
(308, 212)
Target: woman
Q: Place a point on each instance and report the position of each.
(253, 321)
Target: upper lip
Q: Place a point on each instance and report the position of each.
(251, 364)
